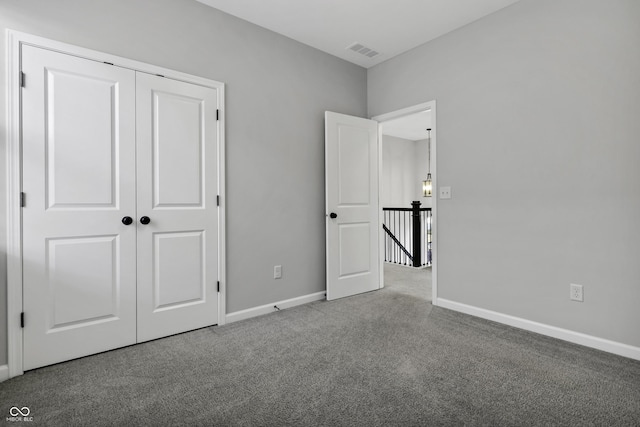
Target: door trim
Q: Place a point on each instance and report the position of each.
(15, 40)
(431, 105)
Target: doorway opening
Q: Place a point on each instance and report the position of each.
(408, 243)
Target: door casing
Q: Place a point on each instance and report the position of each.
(15, 40)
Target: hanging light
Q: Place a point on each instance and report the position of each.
(427, 186)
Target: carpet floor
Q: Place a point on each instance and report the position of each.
(384, 358)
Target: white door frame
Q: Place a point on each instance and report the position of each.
(431, 105)
(15, 40)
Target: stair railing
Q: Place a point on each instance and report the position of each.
(408, 235)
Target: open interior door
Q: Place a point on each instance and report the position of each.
(352, 222)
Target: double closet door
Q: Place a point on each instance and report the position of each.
(120, 220)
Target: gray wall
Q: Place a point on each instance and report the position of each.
(404, 167)
(277, 92)
(538, 135)
(399, 177)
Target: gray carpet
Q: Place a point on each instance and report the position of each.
(385, 358)
(408, 280)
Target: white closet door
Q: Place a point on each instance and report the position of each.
(177, 145)
(79, 258)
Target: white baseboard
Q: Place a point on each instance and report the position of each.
(269, 308)
(540, 328)
(4, 372)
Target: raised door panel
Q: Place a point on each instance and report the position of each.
(79, 180)
(177, 146)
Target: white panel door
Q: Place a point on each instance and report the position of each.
(353, 226)
(79, 258)
(177, 145)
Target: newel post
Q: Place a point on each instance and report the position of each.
(417, 244)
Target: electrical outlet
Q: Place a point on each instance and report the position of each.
(277, 272)
(445, 192)
(575, 292)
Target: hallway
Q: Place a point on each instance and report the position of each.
(408, 280)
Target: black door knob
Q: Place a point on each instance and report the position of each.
(127, 220)
(333, 215)
(145, 220)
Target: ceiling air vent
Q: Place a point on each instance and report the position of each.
(363, 50)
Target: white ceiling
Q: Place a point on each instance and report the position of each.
(413, 127)
(390, 27)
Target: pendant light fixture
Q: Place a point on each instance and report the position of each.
(427, 187)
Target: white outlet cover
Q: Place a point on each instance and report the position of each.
(445, 192)
(576, 292)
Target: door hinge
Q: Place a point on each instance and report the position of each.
(218, 286)
(23, 200)
(21, 78)
(22, 319)
(217, 114)
(218, 200)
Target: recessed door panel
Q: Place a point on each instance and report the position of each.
(79, 260)
(84, 148)
(178, 149)
(354, 249)
(179, 277)
(84, 281)
(353, 166)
